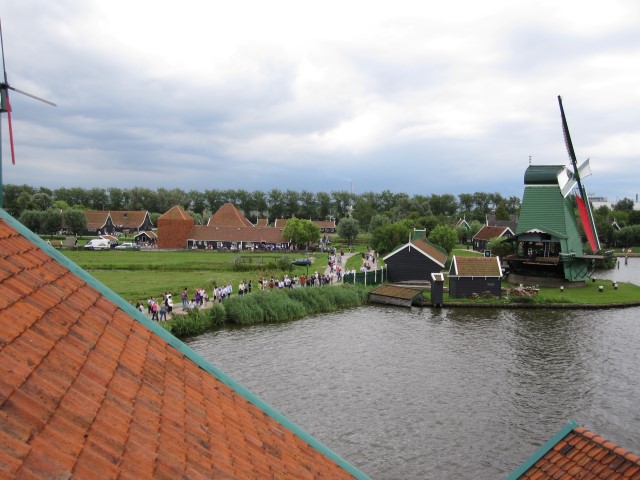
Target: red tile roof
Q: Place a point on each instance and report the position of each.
(281, 222)
(578, 453)
(175, 213)
(148, 233)
(487, 233)
(262, 222)
(326, 224)
(96, 218)
(431, 250)
(229, 216)
(237, 234)
(128, 218)
(90, 387)
(475, 266)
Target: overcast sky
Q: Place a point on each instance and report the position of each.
(410, 96)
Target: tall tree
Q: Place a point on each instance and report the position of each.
(98, 199)
(276, 204)
(75, 221)
(624, 205)
(343, 202)
(197, 201)
(308, 206)
(32, 219)
(214, 199)
(52, 221)
(41, 201)
(445, 237)
(292, 204)
(116, 199)
(387, 237)
(348, 229)
(325, 208)
(301, 232)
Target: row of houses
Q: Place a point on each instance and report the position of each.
(418, 259)
(102, 222)
(227, 229)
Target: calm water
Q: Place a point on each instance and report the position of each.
(443, 394)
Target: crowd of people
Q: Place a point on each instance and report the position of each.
(162, 306)
(158, 308)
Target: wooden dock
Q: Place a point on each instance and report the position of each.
(397, 295)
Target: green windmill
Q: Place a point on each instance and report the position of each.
(550, 248)
(5, 107)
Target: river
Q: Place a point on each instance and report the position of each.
(444, 393)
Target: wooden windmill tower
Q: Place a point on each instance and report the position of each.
(550, 249)
(5, 107)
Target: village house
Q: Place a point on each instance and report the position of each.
(415, 261)
(486, 233)
(227, 230)
(474, 275)
(101, 222)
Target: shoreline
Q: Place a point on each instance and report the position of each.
(533, 306)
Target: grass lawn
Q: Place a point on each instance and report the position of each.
(589, 294)
(136, 275)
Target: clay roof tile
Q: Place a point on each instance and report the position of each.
(88, 385)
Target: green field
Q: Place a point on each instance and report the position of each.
(137, 275)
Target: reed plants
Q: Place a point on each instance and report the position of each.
(269, 306)
(196, 321)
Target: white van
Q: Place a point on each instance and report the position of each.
(97, 244)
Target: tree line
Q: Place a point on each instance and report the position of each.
(274, 203)
(386, 215)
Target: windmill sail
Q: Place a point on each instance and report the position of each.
(5, 106)
(586, 216)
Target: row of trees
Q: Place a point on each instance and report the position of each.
(274, 203)
(388, 216)
(51, 221)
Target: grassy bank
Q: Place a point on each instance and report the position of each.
(589, 294)
(269, 306)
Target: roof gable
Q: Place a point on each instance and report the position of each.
(229, 216)
(96, 218)
(575, 452)
(475, 266)
(487, 232)
(426, 248)
(88, 384)
(176, 213)
(129, 218)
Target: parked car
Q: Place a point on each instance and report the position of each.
(128, 246)
(97, 244)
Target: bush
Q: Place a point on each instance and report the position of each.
(196, 321)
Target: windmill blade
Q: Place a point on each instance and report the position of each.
(584, 170)
(13, 153)
(32, 96)
(566, 181)
(567, 136)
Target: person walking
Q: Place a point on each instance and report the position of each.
(184, 296)
(163, 312)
